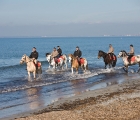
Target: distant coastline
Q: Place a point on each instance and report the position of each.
(69, 36)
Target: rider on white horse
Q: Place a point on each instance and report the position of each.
(34, 55)
(131, 53)
(59, 50)
(54, 55)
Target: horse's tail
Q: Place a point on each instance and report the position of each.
(87, 66)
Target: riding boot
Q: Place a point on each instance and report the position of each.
(79, 63)
(129, 60)
(55, 59)
(112, 57)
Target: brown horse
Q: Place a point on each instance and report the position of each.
(75, 63)
(107, 59)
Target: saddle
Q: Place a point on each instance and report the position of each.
(112, 57)
(132, 59)
(81, 61)
(57, 60)
(38, 64)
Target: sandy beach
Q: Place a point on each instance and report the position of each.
(115, 102)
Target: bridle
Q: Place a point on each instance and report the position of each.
(123, 54)
(25, 59)
(103, 54)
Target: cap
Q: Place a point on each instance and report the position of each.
(131, 45)
(77, 47)
(34, 47)
(58, 46)
(54, 48)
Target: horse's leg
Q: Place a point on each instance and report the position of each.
(105, 65)
(54, 66)
(66, 64)
(139, 68)
(72, 70)
(29, 76)
(85, 67)
(77, 70)
(125, 69)
(34, 73)
(62, 66)
(109, 65)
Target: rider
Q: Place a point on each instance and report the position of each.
(54, 54)
(59, 51)
(131, 53)
(78, 54)
(111, 51)
(34, 54)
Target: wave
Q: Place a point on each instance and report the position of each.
(18, 65)
(57, 77)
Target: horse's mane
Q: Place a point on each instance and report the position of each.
(72, 56)
(124, 52)
(48, 54)
(102, 51)
(26, 55)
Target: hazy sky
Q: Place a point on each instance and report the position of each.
(69, 17)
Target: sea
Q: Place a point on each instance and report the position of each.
(19, 95)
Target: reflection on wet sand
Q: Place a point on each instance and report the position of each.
(78, 86)
(34, 98)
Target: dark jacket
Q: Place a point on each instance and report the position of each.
(59, 51)
(34, 55)
(78, 53)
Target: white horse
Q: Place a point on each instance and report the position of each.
(30, 65)
(134, 60)
(62, 60)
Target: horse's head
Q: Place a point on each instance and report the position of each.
(100, 54)
(122, 53)
(23, 59)
(70, 56)
(48, 57)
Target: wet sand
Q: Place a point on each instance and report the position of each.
(115, 102)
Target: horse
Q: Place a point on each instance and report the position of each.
(134, 60)
(31, 65)
(61, 61)
(107, 59)
(75, 63)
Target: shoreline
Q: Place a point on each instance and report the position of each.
(127, 91)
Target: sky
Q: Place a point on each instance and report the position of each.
(69, 18)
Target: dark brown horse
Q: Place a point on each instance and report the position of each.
(108, 60)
